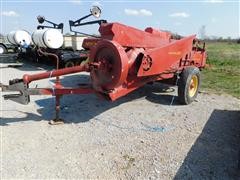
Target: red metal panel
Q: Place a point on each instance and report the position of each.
(130, 37)
(165, 58)
(64, 90)
(162, 34)
(199, 57)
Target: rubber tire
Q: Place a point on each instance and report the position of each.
(184, 83)
(69, 64)
(3, 48)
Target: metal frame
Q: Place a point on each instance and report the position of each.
(80, 23)
(55, 26)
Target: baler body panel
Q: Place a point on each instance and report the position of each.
(127, 58)
(199, 58)
(165, 59)
(131, 37)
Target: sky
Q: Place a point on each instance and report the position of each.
(220, 17)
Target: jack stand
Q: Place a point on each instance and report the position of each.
(57, 120)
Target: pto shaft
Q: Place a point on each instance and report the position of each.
(54, 73)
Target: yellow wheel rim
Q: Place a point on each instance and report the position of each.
(193, 86)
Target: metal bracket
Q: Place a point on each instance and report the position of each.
(22, 97)
(80, 23)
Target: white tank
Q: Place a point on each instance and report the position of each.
(48, 38)
(17, 37)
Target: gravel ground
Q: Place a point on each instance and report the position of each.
(140, 136)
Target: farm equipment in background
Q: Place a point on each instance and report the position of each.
(41, 20)
(14, 40)
(122, 60)
(6, 46)
(67, 58)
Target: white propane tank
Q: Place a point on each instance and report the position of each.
(17, 37)
(48, 38)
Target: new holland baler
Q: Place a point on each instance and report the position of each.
(121, 60)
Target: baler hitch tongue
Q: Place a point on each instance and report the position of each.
(21, 97)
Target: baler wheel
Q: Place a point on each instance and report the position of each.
(188, 85)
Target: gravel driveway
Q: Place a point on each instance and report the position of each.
(140, 136)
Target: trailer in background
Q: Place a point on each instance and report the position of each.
(6, 46)
(73, 42)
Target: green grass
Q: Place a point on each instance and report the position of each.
(223, 75)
